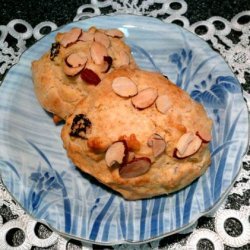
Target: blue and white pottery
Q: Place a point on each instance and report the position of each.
(35, 169)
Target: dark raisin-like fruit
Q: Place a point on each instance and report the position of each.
(109, 60)
(55, 47)
(90, 76)
(80, 126)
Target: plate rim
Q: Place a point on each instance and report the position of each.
(209, 210)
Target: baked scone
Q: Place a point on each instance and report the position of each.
(139, 134)
(76, 63)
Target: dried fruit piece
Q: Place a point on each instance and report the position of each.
(116, 154)
(125, 87)
(102, 38)
(108, 60)
(163, 103)
(71, 37)
(86, 37)
(188, 146)
(131, 141)
(75, 60)
(205, 136)
(90, 76)
(145, 98)
(135, 168)
(80, 126)
(158, 144)
(54, 51)
(98, 51)
(114, 33)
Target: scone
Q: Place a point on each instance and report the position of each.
(76, 63)
(139, 134)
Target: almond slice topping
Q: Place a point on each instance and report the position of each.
(184, 141)
(123, 58)
(131, 156)
(136, 167)
(75, 60)
(71, 37)
(145, 98)
(116, 153)
(98, 51)
(163, 103)
(157, 143)
(114, 33)
(205, 136)
(123, 86)
(86, 37)
(191, 146)
(102, 38)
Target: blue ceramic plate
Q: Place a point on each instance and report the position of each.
(35, 169)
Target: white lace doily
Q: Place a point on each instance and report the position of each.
(237, 55)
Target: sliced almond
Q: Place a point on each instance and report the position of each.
(124, 58)
(158, 144)
(125, 87)
(145, 98)
(163, 103)
(131, 156)
(114, 33)
(158, 147)
(86, 37)
(71, 37)
(98, 51)
(102, 38)
(205, 136)
(154, 136)
(116, 153)
(136, 167)
(184, 141)
(75, 60)
(191, 149)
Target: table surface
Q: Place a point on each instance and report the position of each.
(61, 13)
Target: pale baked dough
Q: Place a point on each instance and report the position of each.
(59, 93)
(112, 117)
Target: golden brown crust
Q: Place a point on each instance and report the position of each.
(59, 93)
(114, 118)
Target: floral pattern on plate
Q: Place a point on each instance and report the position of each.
(35, 168)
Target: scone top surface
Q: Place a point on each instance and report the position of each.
(75, 65)
(154, 124)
